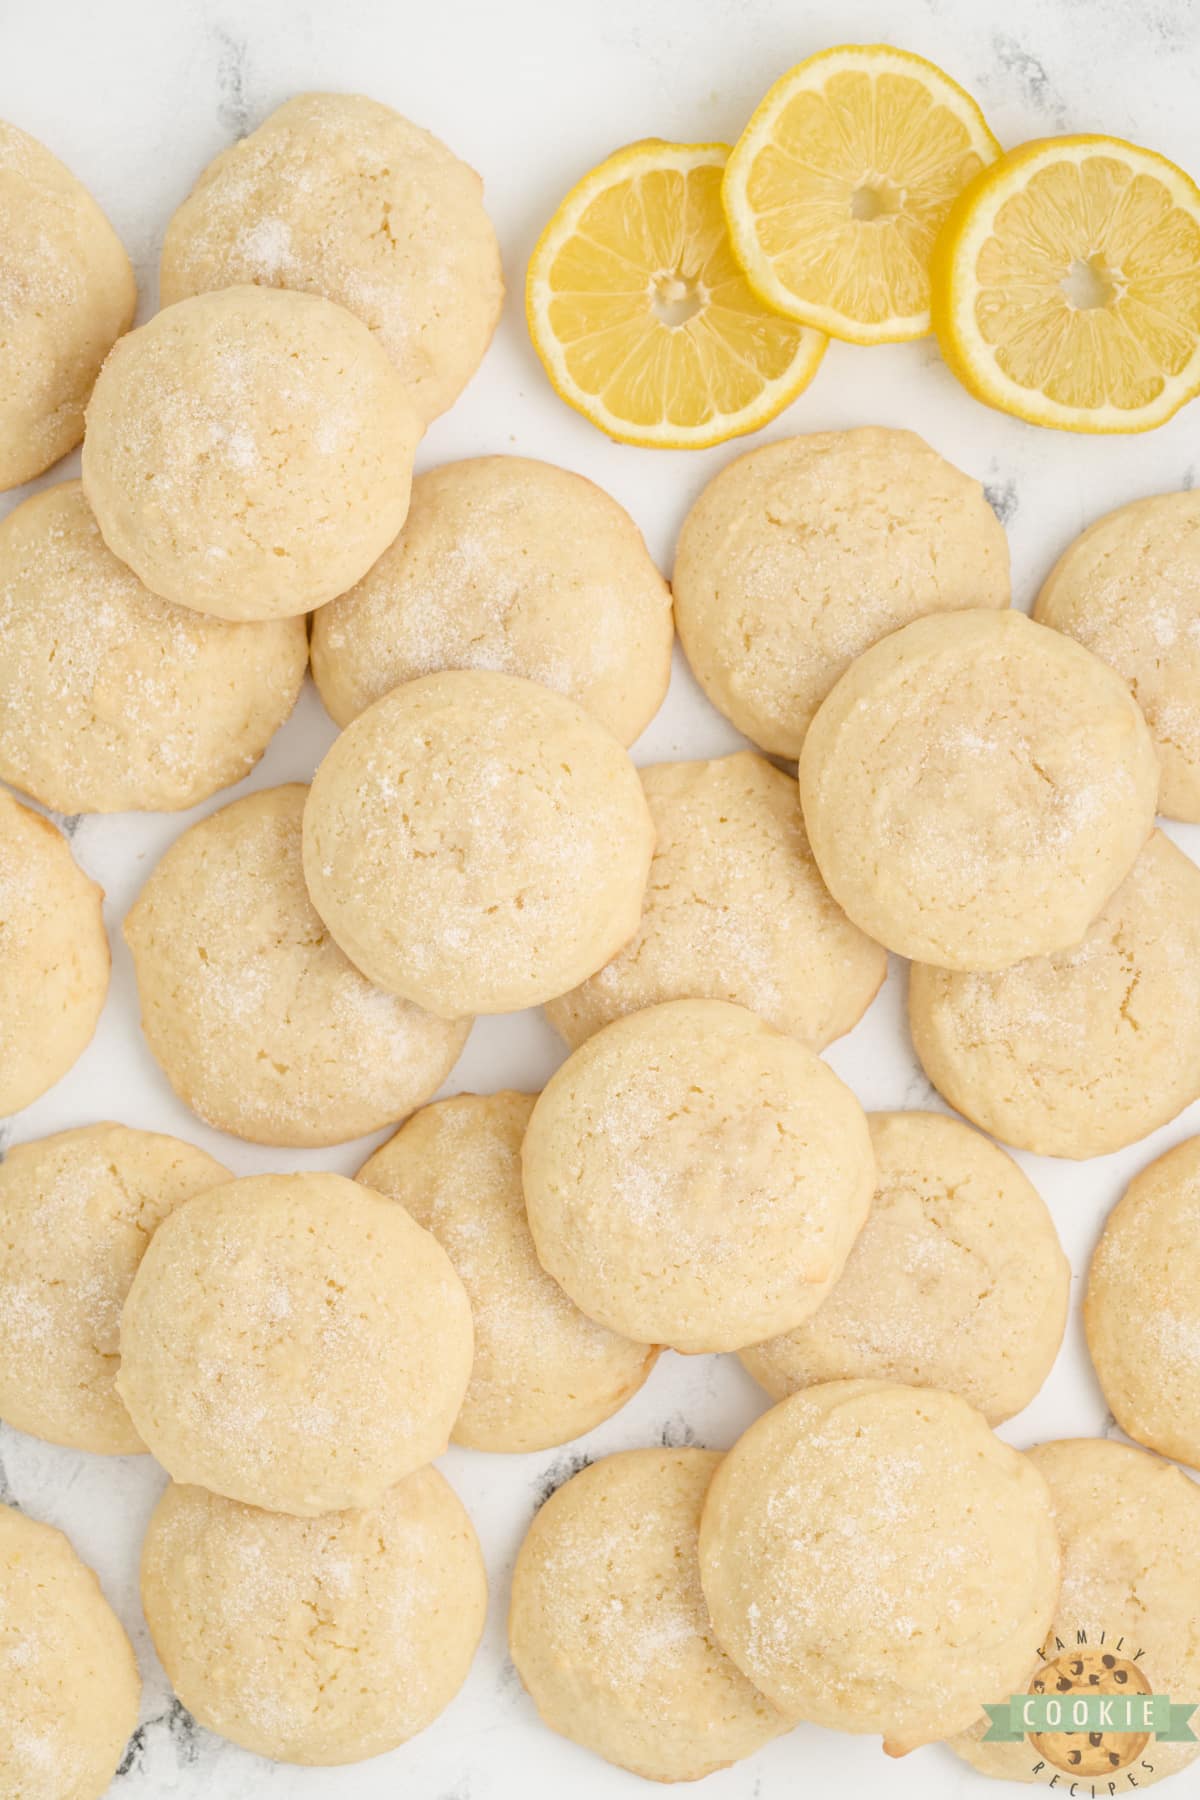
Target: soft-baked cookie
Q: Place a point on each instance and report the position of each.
(249, 453)
(543, 1372)
(801, 554)
(1129, 1525)
(1129, 589)
(735, 909)
(477, 843)
(66, 295)
(294, 1342)
(257, 1019)
(69, 1684)
(1142, 1311)
(1081, 1052)
(609, 1630)
(340, 196)
(975, 788)
(507, 564)
(695, 1177)
(956, 1281)
(112, 700)
(875, 1560)
(76, 1213)
(315, 1640)
(54, 959)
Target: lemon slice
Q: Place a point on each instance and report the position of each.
(639, 311)
(1067, 285)
(836, 189)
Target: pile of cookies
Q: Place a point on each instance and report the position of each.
(976, 793)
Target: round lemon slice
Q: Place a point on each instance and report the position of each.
(1066, 285)
(641, 315)
(836, 189)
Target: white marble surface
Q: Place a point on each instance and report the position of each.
(136, 95)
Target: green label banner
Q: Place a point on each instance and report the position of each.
(1020, 1714)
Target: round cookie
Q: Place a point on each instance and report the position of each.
(800, 555)
(608, 1626)
(477, 843)
(249, 453)
(506, 564)
(1142, 1311)
(338, 195)
(54, 958)
(875, 1560)
(695, 1177)
(76, 1213)
(1082, 1052)
(66, 294)
(975, 788)
(735, 909)
(1129, 1525)
(543, 1373)
(1129, 589)
(113, 700)
(294, 1342)
(322, 1640)
(956, 1281)
(256, 1018)
(69, 1684)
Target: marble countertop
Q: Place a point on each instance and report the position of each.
(136, 96)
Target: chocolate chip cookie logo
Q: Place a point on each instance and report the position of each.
(1091, 1713)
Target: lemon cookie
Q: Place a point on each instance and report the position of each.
(1129, 1525)
(477, 843)
(54, 959)
(340, 196)
(69, 1684)
(315, 1640)
(975, 788)
(735, 909)
(956, 1281)
(76, 1213)
(543, 1372)
(1142, 1311)
(66, 295)
(1082, 1052)
(876, 1560)
(112, 699)
(695, 1177)
(257, 1019)
(609, 1630)
(512, 565)
(295, 1342)
(1129, 589)
(800, 555)
(249, 453)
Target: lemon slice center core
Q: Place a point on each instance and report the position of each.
(1090, 283)
(676, 298)
(875, 198)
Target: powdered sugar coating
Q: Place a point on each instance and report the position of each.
(76, 1213)
(111, 699)
(338, 195)
(259, 1021)
(1129, 589)
(975, 788)
(321, 1640)
(1082, 1052)
(543, 1372)
(735, 909)
(294, 1342)
(477, 843)
(513, 565)
(875, 1560)
(249, 453)
(66, 294)
(695, 1177)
